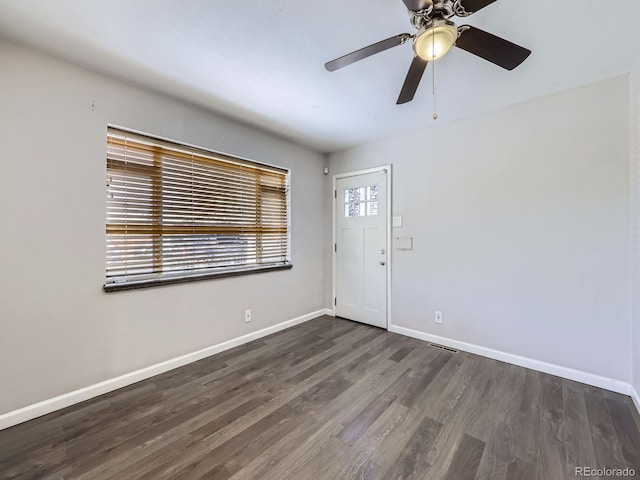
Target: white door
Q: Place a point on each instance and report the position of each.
(361, 249)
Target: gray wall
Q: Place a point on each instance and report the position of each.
(60, 332)
(520, 222)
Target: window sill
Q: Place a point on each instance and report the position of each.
(133, 285)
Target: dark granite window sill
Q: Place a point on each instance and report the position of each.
(155, 282)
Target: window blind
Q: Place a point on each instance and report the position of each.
(178, 212)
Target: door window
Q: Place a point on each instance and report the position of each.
(361, 201)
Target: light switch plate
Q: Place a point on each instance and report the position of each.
(397, 221)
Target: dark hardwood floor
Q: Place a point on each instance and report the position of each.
(332, 399)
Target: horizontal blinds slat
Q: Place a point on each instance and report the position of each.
(193, 259)
(142, 262)
(193, 255)
(175, 211)
(126, 248)
(232, 189)
(186, 173)
(191, 174)
(214, 186)
(128, 142)
(194, 229)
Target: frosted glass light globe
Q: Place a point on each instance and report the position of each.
(435, 42)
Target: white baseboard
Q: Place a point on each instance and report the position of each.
(636, 399)
(35, 410)
(550, 368)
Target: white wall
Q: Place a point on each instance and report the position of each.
(520, 225)
(59, 330)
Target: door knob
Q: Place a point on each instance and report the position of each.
(382, 262)
(382, 251)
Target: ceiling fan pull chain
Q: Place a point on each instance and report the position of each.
(433, 51)
(435, 97)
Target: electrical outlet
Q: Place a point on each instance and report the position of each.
(247, 315)
(438, 317)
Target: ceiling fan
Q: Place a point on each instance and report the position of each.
(436, 35)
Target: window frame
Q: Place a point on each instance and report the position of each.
(182, 276)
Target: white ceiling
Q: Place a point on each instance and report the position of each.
(264, 64)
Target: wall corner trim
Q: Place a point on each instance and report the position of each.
(538, 365)
(44, 407)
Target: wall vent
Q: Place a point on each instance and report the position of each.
(442, 347)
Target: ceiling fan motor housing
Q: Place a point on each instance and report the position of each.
(438, 10)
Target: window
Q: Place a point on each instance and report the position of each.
(361, 201)
(177, 213)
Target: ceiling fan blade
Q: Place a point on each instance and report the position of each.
(494, 49)
(365, 52)
(411, 82)
(417, 5)
(472, 6)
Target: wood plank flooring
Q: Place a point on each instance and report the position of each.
(333, 399)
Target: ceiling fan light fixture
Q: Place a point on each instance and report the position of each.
(435, 40)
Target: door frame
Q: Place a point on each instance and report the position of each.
(355, 173)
